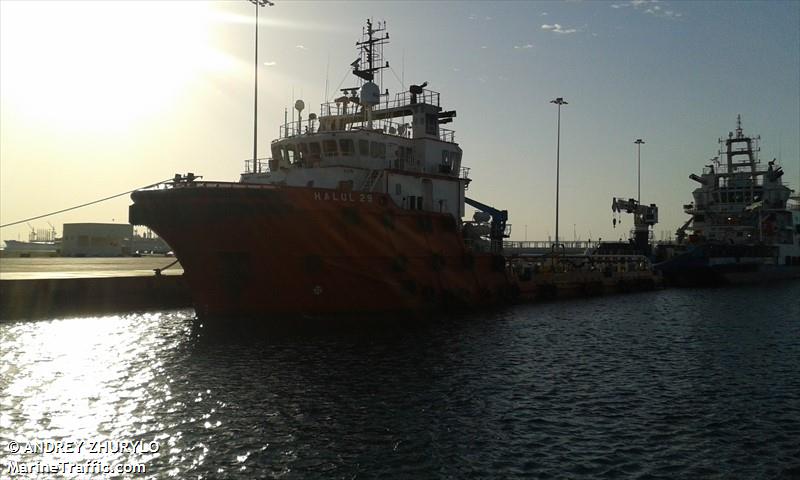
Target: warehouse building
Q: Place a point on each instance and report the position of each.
(96, 240)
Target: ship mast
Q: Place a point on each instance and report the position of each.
(369, 62)
(369, 54)
(740, 145)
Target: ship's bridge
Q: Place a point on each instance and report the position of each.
(409, 115)
(396, 147)
(402, 134)
(367, 141)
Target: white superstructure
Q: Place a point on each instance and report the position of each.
(739, 202)
(366, 142)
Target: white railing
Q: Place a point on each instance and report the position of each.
(262, 165)
(546, 244)
(446, 135)
(400, 100)
(353, 124)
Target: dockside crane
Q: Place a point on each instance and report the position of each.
(498, 227)
(644, 218)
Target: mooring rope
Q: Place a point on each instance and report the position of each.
(83, 205)
(158, 271)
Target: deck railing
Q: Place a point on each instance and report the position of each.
(262, 165)
(547, 244)
(385, 126)
(446, 135)
(400, 100)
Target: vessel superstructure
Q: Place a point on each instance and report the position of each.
(41, 241)
(742, 225)
(358, 209)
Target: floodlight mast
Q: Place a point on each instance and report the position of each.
(558, 101)
(639, 142)
(257, 3)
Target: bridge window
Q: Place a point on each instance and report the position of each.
(313, 152)
(446, 166)
(378, 150)
(329, 148)
(414, 202)
(302, 150)
(398, 189)
(276, 154)
(431, 124)
(363, 148)
(346, 146)
(289, 153)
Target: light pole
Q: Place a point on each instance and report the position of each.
(257, 3)
(558, 101)
(639, 143)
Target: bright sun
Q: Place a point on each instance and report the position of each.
(100, 65)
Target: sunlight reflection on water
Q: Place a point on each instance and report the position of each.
(91, 379)
(667, 384)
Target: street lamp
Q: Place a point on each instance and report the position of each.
(558, 101)
(639, 143)
(257, 3)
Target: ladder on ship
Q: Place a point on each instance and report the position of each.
(371, 180)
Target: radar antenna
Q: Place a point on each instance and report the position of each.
(371, 59)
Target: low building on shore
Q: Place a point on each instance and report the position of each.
(96, 240)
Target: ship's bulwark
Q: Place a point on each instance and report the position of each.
(252, 251)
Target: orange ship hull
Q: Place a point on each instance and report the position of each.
(254, 250)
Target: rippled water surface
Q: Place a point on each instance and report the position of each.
(668, 384)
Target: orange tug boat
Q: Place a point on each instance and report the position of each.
(358, 210)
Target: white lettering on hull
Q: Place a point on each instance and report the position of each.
(350, 197)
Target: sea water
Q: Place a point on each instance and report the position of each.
(667, 384)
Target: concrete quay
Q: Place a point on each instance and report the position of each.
(35, 288)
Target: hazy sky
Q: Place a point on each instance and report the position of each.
(97, 98)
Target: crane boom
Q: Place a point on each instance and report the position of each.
(644, 217)
(499, 221)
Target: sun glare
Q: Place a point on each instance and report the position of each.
(101, 65)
